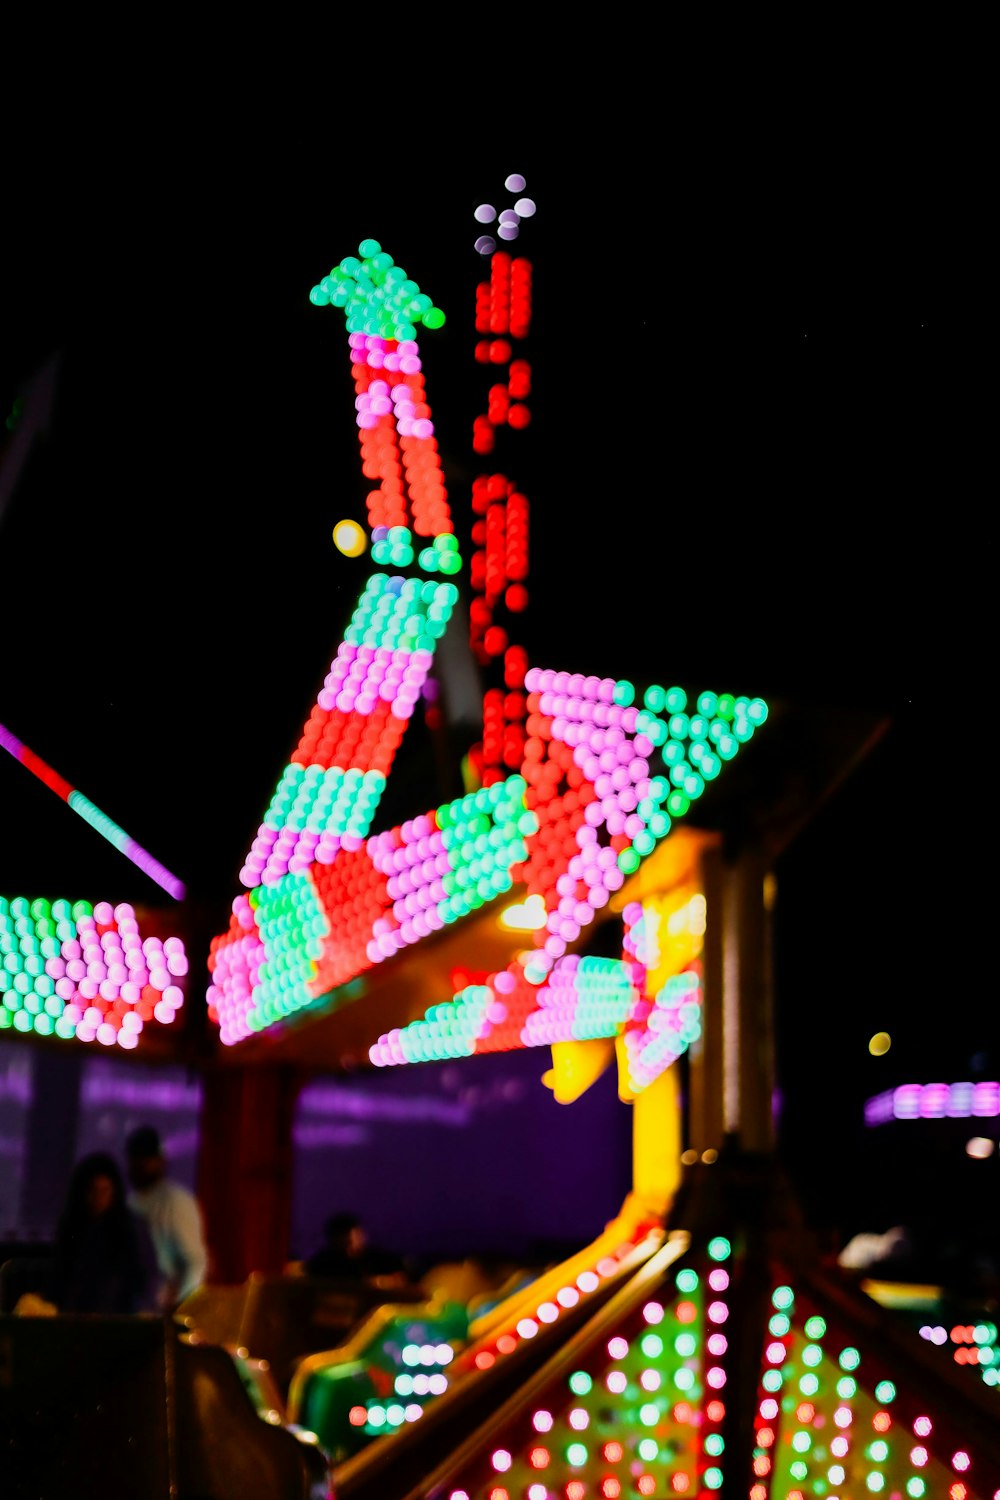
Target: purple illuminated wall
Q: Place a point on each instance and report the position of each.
(446, 1159)
(115, 1097)
(466, 1157)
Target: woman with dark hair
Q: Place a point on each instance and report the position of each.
(103, 1261)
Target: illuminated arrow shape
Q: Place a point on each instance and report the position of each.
(586, 758)
(328, 795)
(383, 308)
(607, 779)
(597, 767)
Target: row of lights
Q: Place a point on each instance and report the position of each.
(935, 1101)
(583, 998)
(812, 1429)
(396, 433)
(501, 529)
(73, 969)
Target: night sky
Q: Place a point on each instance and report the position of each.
(752, 405)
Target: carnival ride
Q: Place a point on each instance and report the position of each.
(695, 1347)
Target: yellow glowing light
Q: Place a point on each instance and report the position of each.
(880, 1044)
(689, 918)
(979, 1146)
(526, 916)
(349, 538)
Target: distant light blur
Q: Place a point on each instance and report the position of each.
(880, 1044)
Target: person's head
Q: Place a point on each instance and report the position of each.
(345, 1231)
(144, 1154)
(96, 1186)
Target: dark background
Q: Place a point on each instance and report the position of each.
(756, 396)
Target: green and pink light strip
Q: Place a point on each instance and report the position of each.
(584, 998)
(93, 815)
(329, 792)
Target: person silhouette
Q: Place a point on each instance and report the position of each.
(172, 1213)
(346, 1252)
(104, 1260)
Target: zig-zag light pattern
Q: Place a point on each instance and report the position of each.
(293, 943)
(70, 969)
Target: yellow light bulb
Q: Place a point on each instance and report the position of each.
(349, 538)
